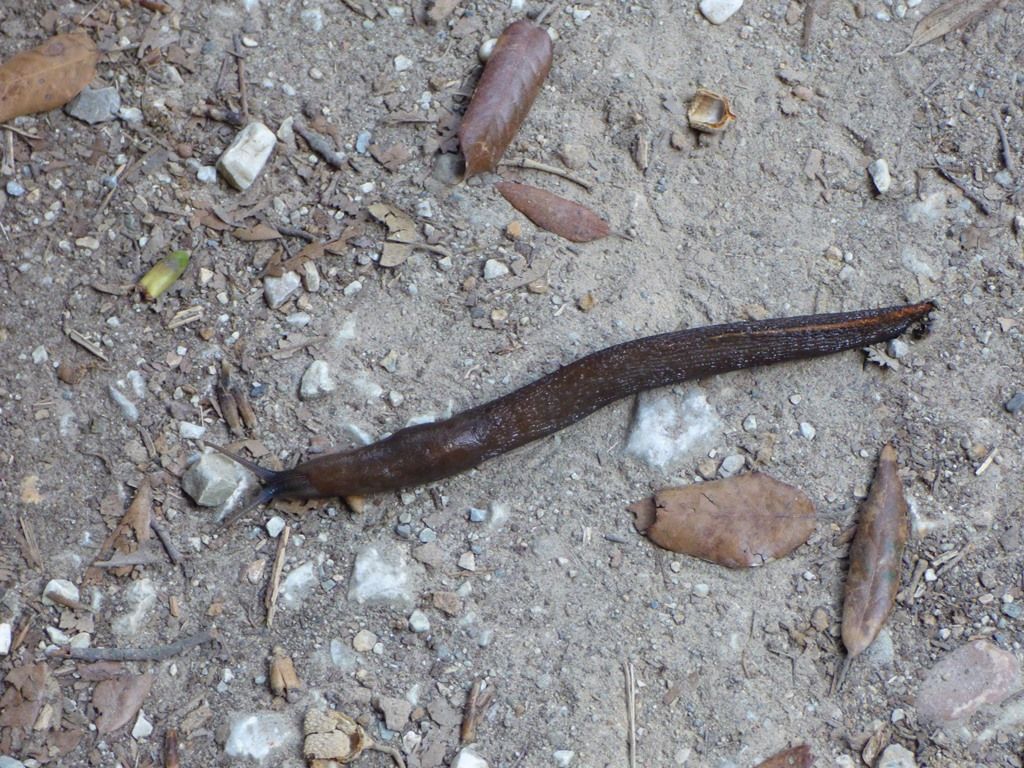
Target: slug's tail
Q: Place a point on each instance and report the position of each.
(274, 483)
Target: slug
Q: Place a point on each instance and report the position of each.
(428, 452)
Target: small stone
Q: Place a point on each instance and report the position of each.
(297, 586)
(963, 681)
(896, 756)
(40, 355)
(403, 63)
(429, 554)
(486, 49)
(563, 757)
(750, 424)
(364, 641)
(131, 115)
(380, 577)
(494, 269)
(277, 290)
(310, 277)
(5, 638)
(807, 430)
(352, 288)
(206, 174)
(448, 603)
(189, 431)
(819, 619)
(313, 18)
(211, 480)
(257, 735)
(880, 176)
(718, 11)
(701, 590)
(396, 712)
(316, 381)
(363, 141)
(242, 162)
(128, 409)
(1015, 403)
(1012, 610)
(731, 465)
(467, 758)
(142, 728)
(668, 426)
(95, 105)
(477, 515)
(419, 622)
(898, 348)
(485, 638)
(14, 189)
(60, 592)
(467, 561)
(274, 526)
(427, 535)
(140, 598)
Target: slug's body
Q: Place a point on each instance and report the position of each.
(429, 452)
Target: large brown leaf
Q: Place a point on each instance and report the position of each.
(119, 700)
(511, 80)
(794, 757)
(548, 211)
(876, 557)
(46, 77)
(739, 522)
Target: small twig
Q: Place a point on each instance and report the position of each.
(545, 13)
(987, 462)
(119, 560)
(534, 165)
(439, 250)
(810, 10)
(220, 114)
(243, 90)
(388, 750)
(840, 675)
(321, 146)
(171, 759)
(631, 710)
(20, 132)
(477, 703)
(156, 653)
(7, 168)
(970, 194)
(275, 575)
(356, 8)
(110, 193)
(302, 234)
(165, 540)
(87, 345)
(184, 317)
(1004, 142)
(31, 551)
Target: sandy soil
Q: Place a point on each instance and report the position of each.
(777, 216)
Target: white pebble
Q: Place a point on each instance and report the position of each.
(189, 431)
(316, 381)
(59, 591)
(364, 641)
(5, 638)
(402, 63)
(486, 49)
(880, 176)
(718, 11)
(142, 728)
(242, 162)
(494, 269)
(419, 622)
(807, 430)
(274, 526)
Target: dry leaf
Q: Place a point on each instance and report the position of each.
(331, 737)
(739, 522)
(876, 557)
(511, 80)
(401, 232)
(47, 76)
(257, 233)
(548, 211)
(119, 700)
(794, 757)
(28, 688)
(947, 17)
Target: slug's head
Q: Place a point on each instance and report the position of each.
(284, 484)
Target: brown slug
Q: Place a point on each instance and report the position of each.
(428, 452)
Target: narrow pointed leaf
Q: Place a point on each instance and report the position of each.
(548, 211)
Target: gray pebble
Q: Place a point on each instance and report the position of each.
(1015, 403)
(477, 515)
(427, 535)
(898, 348)
(807, 430)
(14, 189)
(211, 480)
(494, 269)
(1012, 610)
(277, 290)
(750, 423)
(485, 638)
(95, 105)
(419, 622)
(316, 381)
(731, 465)
(363, 140)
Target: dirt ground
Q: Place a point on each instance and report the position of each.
(776, 216)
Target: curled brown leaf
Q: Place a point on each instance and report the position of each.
(794, 757)
(548, 211)
(739, 522)
(47, 76)
(876, 556)
(511, 80)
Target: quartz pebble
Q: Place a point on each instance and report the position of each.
(364, 641)
(467, 758)
(494, 269)
(95, 105)
(467, 561)
(563, 757)
(297, 586)
(380, 576)
(719, 11)
(880, 177)
(966, 679)
(807, 430)
(189, 431)
(274, 526)
(60, 592)
(316, 381)
(896, 756)
(140, 598)
(242, 162)
(419, 622)
(668, 427)
(142, 728)
(5, 638)
(211, 480)
(277, 290)
(256, 735)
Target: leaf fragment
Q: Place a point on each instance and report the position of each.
(163, 274)
(876, 557)
(119, 700)
(739, 522)
(794, 757)
(401, 233)
(508, 86)
(548, 211)
(47, 76)
(947, 17)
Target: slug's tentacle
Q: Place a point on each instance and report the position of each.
(429, 452)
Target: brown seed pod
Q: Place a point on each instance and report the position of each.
(548, 211)
(47, 76)
(511, 80)
(709, 112)
(876, 557)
